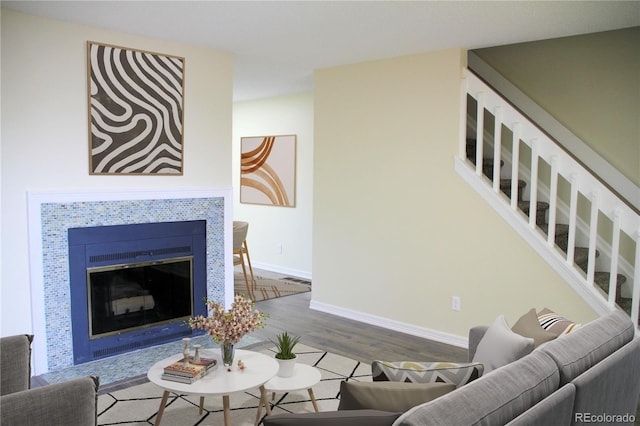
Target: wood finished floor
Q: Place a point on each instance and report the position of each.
(342, 336)
(353, 339)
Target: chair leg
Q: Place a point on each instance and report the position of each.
(246, 250)
(244, 271)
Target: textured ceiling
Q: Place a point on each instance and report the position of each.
(277, 45)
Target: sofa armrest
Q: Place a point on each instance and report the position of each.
(15, 363)
(334, 418)
(71, 403)
(475, 335)
(611, 386)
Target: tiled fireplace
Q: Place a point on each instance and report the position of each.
(51, 215)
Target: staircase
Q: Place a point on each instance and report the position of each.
(584, 230)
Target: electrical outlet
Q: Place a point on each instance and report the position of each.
(278, 248)
(455, 303)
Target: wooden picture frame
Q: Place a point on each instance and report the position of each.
(268, 170)
(136, 111)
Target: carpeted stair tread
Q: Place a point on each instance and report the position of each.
(602, 280)
(562, 235)
(541, 212)
(625, 304)
(487, 163)
(505, 186)
(581, 257)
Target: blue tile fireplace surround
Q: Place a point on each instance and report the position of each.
(51, 216)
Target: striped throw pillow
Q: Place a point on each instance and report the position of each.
(554, 323)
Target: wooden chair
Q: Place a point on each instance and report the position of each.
(240, 251)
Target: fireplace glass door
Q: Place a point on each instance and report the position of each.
(139, 295)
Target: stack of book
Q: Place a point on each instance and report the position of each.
(179, 372)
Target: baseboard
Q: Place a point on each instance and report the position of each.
(282, 270)
(425, 333)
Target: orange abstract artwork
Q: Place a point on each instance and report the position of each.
(268, 170)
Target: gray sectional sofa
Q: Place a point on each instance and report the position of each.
(590, 376)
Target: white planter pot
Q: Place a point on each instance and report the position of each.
(286, 367)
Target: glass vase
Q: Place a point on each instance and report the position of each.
(227, 350)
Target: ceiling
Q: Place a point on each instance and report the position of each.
(277, 45)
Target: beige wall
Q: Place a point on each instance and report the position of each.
(44, 131)
(590, 83)
(396, 231)
(272, 226)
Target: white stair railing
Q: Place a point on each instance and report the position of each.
(582, 182)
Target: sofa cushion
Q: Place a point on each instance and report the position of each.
(476, 333)
(389, 396)
(529, 326)
(494, 399)
(500, 346)
(580, 350)
(426, 372)
(556, 409)
(555, 323)
(334, 418)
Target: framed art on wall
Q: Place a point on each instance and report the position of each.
(136, 111)
(268, 170)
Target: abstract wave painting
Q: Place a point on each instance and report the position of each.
(268, 170)
(136, 106)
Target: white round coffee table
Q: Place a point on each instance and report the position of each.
(304, 377)
(259, 368)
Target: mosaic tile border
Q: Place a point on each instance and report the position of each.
(58, 217)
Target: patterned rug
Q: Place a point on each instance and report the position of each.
(138, 405)
(267, 288)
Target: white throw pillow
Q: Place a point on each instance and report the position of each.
(501, 346)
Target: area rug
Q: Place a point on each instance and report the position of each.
(267, 288)
(138, 405)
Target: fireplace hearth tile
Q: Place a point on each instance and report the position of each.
(132, 364)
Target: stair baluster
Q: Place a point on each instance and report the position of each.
(533, 192)
(615, 249)
(515, 161)
(573, 213)
(480, 134)
(497, 148)
(553, 197)
(593, 238)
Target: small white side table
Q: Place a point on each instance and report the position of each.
(220, 382)
(304, 377)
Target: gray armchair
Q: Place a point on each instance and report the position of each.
(15, 363)
(72, 403)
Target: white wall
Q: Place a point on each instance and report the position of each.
(272, 226)
(396, 232)
(45, 134)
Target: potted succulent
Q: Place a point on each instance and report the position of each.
(284, 353)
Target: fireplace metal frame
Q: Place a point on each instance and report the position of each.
(94, 247)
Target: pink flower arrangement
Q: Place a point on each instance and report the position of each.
(229, 326)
